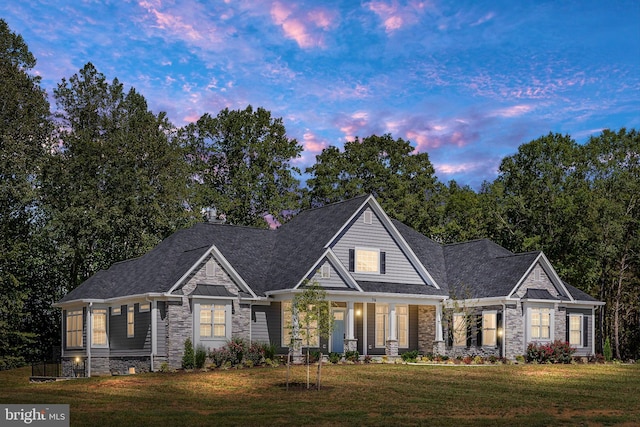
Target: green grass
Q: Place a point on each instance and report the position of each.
(528, 395)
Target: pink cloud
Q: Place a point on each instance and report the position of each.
(312, 144)
(351, 125)
(514, 111)
(306, 29)
(452, 168)
(394, 16)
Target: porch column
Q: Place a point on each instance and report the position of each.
(350, 342)
(89, 333)
(392, 343)
(439, 344)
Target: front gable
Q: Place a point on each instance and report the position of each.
(329, 272)
(541, 282)
(372, 250)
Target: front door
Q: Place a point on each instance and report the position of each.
(337, 336)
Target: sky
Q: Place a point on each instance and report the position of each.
(465, 81)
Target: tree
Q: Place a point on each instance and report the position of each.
(241, 160)
(461, 217)
(311, 317)
(402, 181)
(116, 182)
(24, 131)
(613, 211)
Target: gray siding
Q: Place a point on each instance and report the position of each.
(334, 281)
(587, 322)
(266, 325)
(375, 236)
(119, 343)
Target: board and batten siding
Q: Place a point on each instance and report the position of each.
(266, 325)
(375, 236)
(140, 343)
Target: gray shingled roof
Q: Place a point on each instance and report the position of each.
(539, 294)
(277, 259)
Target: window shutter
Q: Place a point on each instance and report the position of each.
(499, 328)
(479, 330)
(568, 328)
(585, 331)
(469, 331)
(383, 262)
(352, 259)
(450, 333)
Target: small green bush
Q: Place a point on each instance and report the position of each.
(334, 357)
(352, 356)
(410, 356)
(188, 358)
(201, 356)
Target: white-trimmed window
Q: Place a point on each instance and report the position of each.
(367, 260)
(489, 328)
(325, 271)
(74, 328)
(540, 328)
(382, 320)
(144, 307)
(575, 330)
(287, 327)
(402, 315)
(213, 322)
(116, 311)
(99, 327)
(459, 329)
(131, 316)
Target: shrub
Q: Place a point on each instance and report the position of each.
(255, 354)
(352, 356)
(188, 358)
(606, 351)
(467, 360)
(367, 359)
(164, 367)
(493, 359)
(555, 352)
(334, 357)
(237, 348)
(478, 360)
(201, 356)
(220, 356)
(410, 356)
(314, 356)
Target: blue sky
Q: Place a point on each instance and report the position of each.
(465, 81)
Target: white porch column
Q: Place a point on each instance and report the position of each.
(89, 334)
(351, 321)
(439, 322)
(393, 321)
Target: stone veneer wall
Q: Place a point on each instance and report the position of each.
(514, 331)
(537, 279)
(426, 328)
(180, 315)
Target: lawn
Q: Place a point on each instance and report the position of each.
(376, 394)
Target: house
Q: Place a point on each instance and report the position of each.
(391, 290)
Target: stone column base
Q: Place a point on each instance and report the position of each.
(350, 344)
(391, 349)
(439, 348)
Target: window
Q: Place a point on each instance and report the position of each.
(575, 330)
(99, 327)
(130, 319)
(540, 324)
(287, 327)
(115, 311)
(74, 328)
(368, 217)
(325, 271)
(367, 261)
(144, 307)
(213, 322)
(402, 314)
(489, 328)
(382, 320)
(459, 329)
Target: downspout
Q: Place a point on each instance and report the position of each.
(89, 336)
(154, 330)
(593, 330)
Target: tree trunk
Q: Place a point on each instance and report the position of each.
(616, 313)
